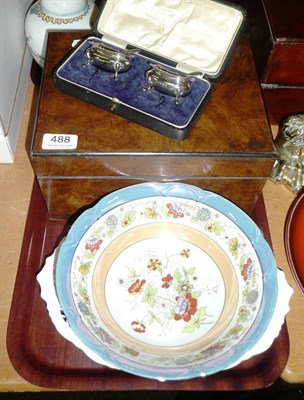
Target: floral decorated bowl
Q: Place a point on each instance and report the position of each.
(166, 281)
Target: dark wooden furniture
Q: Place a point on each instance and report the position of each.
(44, 358)
(229, 151)
(277, 37)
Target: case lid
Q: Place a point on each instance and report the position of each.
(196, 34)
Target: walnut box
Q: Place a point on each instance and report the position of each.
(80, 152)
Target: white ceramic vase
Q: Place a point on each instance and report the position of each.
(50, 15)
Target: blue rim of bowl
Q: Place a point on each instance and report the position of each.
(186, 191)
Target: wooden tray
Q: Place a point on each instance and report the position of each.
(44, 358)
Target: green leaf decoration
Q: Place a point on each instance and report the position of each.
(218, 229)
(149, 295)
(165, 211)
(191, 271)
(153, 318)
(196, 321)
(201, 312)
(82, 290)
(171, 315)
(151, 290)
(130, 216)
(151, 301)
(223, 342)
(133, 273)
(189, 329)
(89, 254)
(242, 260)
(177, 275)
(196, 294)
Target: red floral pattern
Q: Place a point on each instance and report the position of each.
(93, 244)
(175, 211)
(167, 281)
(247, 269)
(138, 327)
(187, 306)
(136, 286)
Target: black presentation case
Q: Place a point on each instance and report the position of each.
(184, 36)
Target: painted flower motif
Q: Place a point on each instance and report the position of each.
(214, 349)
(252, 296)
(233, 246)
(150, 213)
(214, 227)
(203, 214)
(184, 287)
(185, 253)
(130, 351)
(136, 286)
(209, 228)
(126, 222)
(248, 269)
(186, 307)
(138, 327)
(175, 210)
(235, 330)
(103, 335)
(154, 264)
(84, 268)
(243, 313)
(86, 299)
(84, 309)
(167, 281)
(128, 218)
(112, 222)
(93, 243)
(84, 294)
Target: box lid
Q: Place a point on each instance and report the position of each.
(196, 35)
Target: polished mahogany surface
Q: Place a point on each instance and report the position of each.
(277, 37)
(44, 358)
(286, 61)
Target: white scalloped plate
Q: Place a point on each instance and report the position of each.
(49, 295)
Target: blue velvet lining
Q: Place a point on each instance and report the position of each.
(128, 89)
